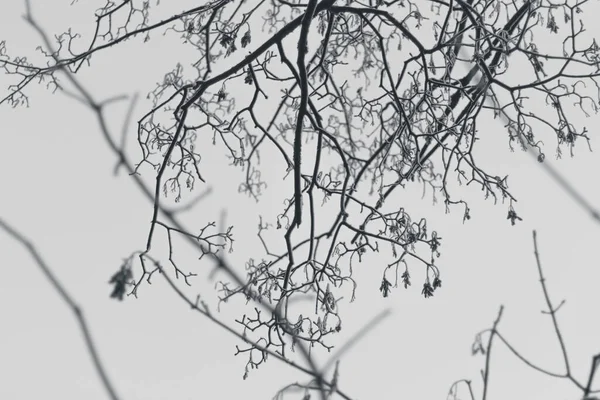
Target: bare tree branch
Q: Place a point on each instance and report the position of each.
(69, 302)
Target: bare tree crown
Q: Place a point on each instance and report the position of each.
(352, 101)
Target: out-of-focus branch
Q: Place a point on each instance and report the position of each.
(568, 187)
(368, 327)
(303, 83)
(71, 303)
(551, 309)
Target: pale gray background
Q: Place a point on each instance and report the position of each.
(58, 189)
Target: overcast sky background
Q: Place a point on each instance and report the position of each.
(58, 189)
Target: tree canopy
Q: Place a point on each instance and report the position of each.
(350, 102)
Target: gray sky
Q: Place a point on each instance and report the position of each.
(59, 190)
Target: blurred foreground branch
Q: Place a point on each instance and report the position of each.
(70, 303)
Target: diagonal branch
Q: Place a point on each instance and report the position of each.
(71, 303)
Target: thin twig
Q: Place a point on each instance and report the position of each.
(486, 374)
(551, 309)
